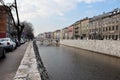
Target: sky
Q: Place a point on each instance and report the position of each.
(51, 15)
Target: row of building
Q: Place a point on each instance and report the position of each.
(102, 27)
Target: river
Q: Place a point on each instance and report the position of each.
(67, 63)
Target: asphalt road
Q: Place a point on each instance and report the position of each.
(10, 64)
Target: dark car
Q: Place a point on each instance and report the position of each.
(2, 51)
(17, 42)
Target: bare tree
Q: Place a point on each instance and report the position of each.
(19, 27)
(28, 30)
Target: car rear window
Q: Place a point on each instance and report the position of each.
(1, 40)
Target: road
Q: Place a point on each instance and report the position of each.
(66, 63)
(10, 64)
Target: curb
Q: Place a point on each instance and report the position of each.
(28, 67)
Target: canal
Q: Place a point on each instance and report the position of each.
(67, 63)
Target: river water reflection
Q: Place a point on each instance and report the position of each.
(66, 63)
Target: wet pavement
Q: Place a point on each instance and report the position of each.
(10, 64)
(66, 63)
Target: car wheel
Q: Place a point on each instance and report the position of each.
(12, 48)
(3, 55)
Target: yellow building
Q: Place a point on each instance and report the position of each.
(84, 28)
(61, 34)
(54, 35)
(76, 30)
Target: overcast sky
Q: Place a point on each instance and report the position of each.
(50, 15)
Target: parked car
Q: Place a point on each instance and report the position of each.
(2, 51)
(16, 41)
(7, 43)
(22, 41)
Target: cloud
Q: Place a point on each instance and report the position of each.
(44, 8)
(42, 12)
(90, 1)
(29, 9)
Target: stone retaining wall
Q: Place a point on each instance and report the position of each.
(102, 46)
(28, 68)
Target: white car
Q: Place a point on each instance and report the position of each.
(7, 43)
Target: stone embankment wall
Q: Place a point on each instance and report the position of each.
(102, 46)
(41, 67)
(28, 69)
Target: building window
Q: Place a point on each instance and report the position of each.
(112, 27)
(99, 29)
(103, 29)
(117, 27)
(116, 37)
(109, 36)
(113, 37)
(106, 37)
(109, 28)
(106, 28)
(103, 36)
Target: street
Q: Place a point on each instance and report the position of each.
(66, 63)
(10, 64)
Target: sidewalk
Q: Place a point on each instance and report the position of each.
(28, 68)
(10, 64)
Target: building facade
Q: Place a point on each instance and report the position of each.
(105, 26)
(6, 27)
(61, 34)
(95, 27)
(76, 26)
(70, 32)
(84, 31)
(57, 34)
(65, 33)
(102, 27)
(111, 25)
